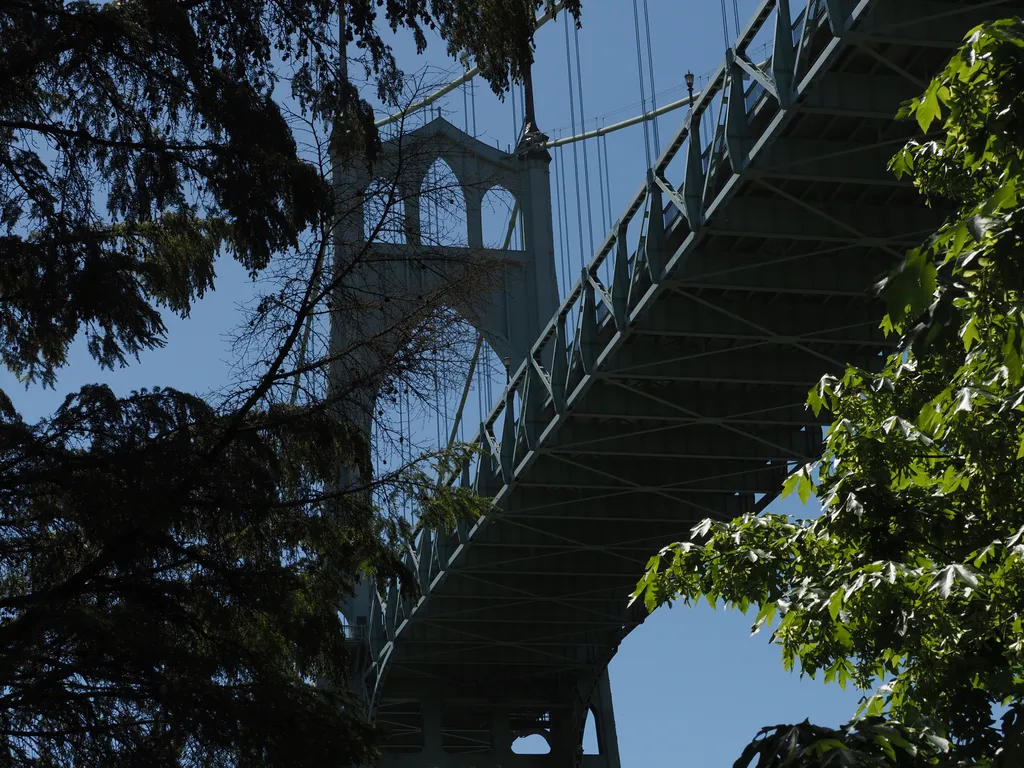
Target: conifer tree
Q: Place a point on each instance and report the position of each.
(171, 567)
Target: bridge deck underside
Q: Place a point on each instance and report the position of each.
(702, 412)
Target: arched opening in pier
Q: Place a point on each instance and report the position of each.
(534, 744)
(442, 207)
(590, 744)
(383, 213)
(496, 211)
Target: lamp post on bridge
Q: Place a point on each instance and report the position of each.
(688, 77)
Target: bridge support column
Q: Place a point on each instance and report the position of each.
(481, 733)
(541, 294)
(604, 724)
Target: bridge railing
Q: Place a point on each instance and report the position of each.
(740, 101)
(738, 78)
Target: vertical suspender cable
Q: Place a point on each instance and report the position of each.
(437, 404)
(654, 90)
(490, 377)
(607, 179)
(600, 182)
(517, 132)
(575, 155)
(563, 263)
(736, 15)
(522, 101)
(605, 224)
(401, 433)
(408, 446)
(516, 125)
(472, 101)
(480, 389)
(565, 234)
(432, 205)
(565, 203)
(465, 106)
(486, 384)
(444, 405)
(725, 24)
(583, 125)
(640, 72)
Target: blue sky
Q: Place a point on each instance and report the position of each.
(691, 685)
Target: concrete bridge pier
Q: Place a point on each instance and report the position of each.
(604, 726)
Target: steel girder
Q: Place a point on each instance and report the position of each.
(671, 384)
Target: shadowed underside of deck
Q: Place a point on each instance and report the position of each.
(690, 401)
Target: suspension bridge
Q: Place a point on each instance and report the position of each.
(667, 384)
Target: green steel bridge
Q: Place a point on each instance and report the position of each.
(668, 386)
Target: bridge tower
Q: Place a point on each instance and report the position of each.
(509, 296)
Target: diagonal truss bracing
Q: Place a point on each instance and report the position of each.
(670, 385)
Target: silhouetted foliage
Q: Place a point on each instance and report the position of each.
(913, 575)
(171, 568)
(167, 591)
(139, 138)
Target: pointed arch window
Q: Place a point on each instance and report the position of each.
(442, 207)
(496, 211)
(383, 213)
